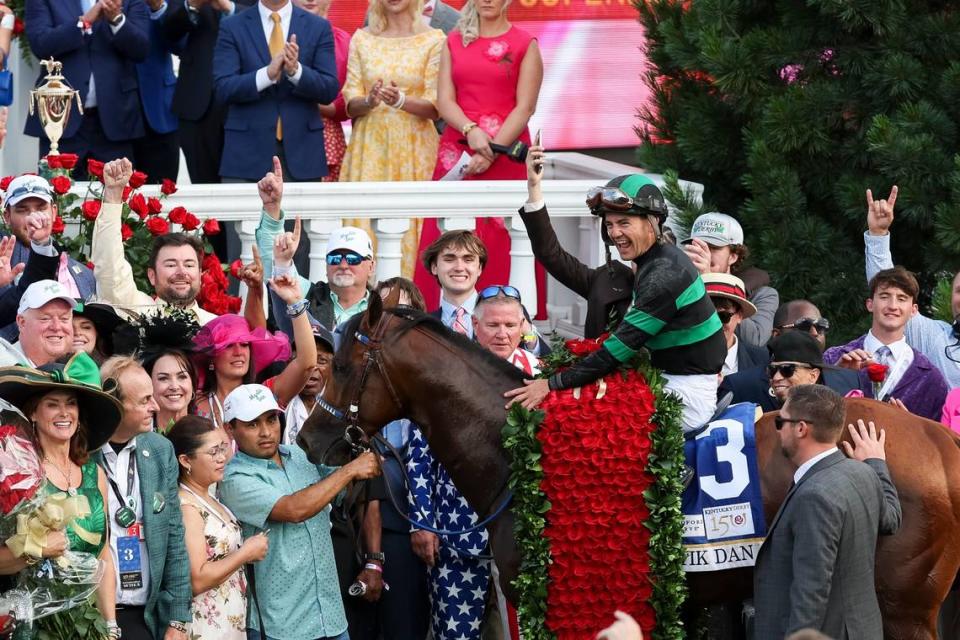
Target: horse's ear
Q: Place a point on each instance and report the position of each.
(393, 298)
(374, 311)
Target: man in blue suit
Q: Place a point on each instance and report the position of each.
(157, 153)
(99, 44)
(272, 65)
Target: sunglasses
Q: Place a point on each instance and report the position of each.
(779, 421)
(785, 370)
(724, 316)
(613, 199)
(29, 189)
(353, 259)
(494, 290)
(805, 324)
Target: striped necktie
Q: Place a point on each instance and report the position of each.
(459, 322)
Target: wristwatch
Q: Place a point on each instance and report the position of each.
(116, 21)
(380, 557)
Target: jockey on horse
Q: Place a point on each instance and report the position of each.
(670, 313)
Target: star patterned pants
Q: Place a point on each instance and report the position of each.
(458, 595)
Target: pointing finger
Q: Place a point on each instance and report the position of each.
(256, 256)
(869, 198)
(277, 168)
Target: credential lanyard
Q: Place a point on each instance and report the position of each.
(131, 474)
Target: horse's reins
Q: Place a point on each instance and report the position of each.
(355, 437)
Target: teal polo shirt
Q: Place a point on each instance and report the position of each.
(297, 582)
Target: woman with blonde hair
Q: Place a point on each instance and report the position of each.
(391, 94)
(487, 91)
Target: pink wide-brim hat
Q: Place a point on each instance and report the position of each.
(230, 329)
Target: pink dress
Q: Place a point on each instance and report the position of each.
(485, 74)
(951, 410)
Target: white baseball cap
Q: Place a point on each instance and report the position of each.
(717, 229)
(351, 239)
(27, 186)
(41, 292)
(248, 402)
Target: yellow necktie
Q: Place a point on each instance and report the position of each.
(276, 46)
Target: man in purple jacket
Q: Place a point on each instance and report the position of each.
(911, 377)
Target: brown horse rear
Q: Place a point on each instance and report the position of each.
(917, 565)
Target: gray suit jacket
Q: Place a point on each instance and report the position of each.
(816, 566)
(444, 17)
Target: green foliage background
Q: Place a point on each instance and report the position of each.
(788, 111)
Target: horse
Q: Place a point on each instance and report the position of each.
(396, 362)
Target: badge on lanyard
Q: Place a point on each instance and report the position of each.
(128, 561)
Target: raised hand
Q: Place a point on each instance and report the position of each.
(536, 156)
(39, 227)
(8, 271)
(251, 274)
(880, 212)
(285, 245)
(291, 55)
(116, 175)
(270, 188)
(287, 288)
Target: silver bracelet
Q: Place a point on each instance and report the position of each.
(297, 308)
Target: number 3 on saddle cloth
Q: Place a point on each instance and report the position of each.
(723, 510)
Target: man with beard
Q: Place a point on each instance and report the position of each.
(175, 259)
(350, 262)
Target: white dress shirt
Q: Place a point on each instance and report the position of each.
(116, 466)
(91, 100)
(900, 359)
(448, 309)
(730, 364)
(806, 466)
(286, 12)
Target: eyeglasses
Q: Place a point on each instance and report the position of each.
(785, 370)
(779, 421)
(614, 199)
(822, 325)
(494, 290)
(353, 259)
(219, 450)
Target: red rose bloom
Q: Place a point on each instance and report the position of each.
(53, 162)
(158, 226)
(95, 168)
(235, 268)
(125, 232)
(61, 184)
(90, 209)
(126, 194)
(154, 206)
(177, 215)
(90, 265)
(17, 27)
(877, 372)
(138, 179)
(5, 183)
(68, 160)
(210, 263)
(168, 187)
(58, 225)
(191, 222)
(138, 204)
(211, 227)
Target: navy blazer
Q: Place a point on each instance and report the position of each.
(51, 29)
(157, 82)
(250, 129)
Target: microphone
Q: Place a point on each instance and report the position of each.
(516, 151)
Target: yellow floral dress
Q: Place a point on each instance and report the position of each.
(390, 144)
(220, 612)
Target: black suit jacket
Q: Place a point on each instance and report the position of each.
(194, 91)
(750, 355)
(753, 385)
(39, 267)
(608, 289)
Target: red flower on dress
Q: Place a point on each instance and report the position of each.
(95, 168)
(497, 51)
(61, 184)
(490, 124)
(58, 225)
(211, 227)
(168, 187)
(138, 204)
(69, 160)
(90, 209)
(154, 206)
(125, 232)
(177, 215)
(158, 226)
(448, 156)
(138, 179)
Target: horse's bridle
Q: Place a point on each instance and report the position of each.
(353, 434)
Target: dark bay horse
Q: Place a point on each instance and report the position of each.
(400, 363)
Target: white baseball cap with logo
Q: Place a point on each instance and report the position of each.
(716, 229)
(27, 186)
(248, 402)
(350, 239)
(41, 292)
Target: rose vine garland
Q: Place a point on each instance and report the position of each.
(659, 580)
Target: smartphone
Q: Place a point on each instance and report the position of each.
(537, 143)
